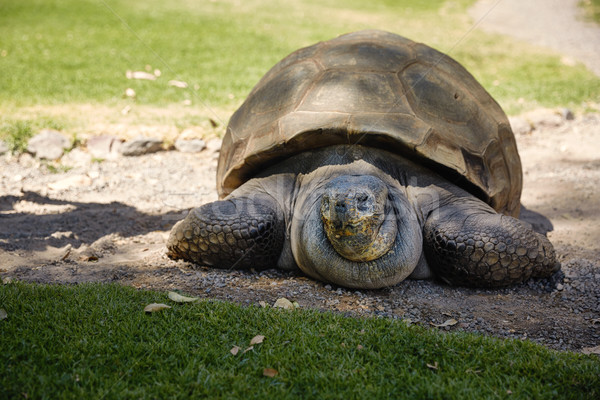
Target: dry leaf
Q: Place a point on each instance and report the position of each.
(179, 84)
(257, 339)
(155, 307)
(234, 350)
(3, 314)
(270, 372)
(449, 322)
(435, 366)
(591, 350)
(6, 280)
(176, 297)
(248, 349)
(262, 304)
(284, 303)
(140, 75)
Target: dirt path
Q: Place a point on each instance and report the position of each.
(556, 24)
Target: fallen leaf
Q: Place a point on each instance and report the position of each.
(449, 322)
(270, 372)
(154, 307)
(179, 84)
(140, 75)
(6, 280)
(257, 339)
(284, 303)
(176, 297)
(435, 366)
(234, 350)
(591, 350)
(248, 349)
(3, 314)
(263, 304)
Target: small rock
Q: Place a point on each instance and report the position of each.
(104, 146)
(559, 287)
(140, 146)
(567, 114)
(190, 146)
(48, 144)
(3, 147)
(129, 92)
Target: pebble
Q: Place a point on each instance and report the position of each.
(140, 146)
(48, 144)
(104, 146)
(190, 146)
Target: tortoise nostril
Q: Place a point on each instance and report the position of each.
(340, 206)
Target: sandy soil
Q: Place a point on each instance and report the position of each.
(108, 222)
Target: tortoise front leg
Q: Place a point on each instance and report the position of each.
(238, 232)
(469, 244)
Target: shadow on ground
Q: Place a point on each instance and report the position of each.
(33, 222)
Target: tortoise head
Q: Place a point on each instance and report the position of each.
(357, 217)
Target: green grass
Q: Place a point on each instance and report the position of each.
(70, 52)
(592, 9)
(94, 341)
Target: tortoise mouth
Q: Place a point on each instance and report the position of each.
(357, 219)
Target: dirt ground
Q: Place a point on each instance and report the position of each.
(86, 221)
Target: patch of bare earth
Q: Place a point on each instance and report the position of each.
(108, 222)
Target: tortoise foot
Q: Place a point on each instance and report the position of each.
(235, 233)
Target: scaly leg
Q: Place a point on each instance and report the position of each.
(235, 233)
(469, 244)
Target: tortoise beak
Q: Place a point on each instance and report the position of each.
(353, 212)
(345, 212)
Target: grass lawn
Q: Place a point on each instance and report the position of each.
(95, 341)
(59, 56)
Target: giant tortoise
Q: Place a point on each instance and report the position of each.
(365, 160)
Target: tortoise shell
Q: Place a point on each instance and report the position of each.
(382, 90)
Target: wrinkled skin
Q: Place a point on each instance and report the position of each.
(364, 223)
